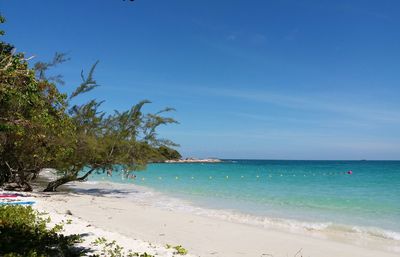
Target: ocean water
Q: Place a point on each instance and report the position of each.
(311, 195)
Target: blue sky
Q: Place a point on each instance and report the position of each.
(249, 79)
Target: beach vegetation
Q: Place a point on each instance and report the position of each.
(33, 121)
(112, 249)
(26, 232)
(136, 254)
(169, 153)
(41, 127)
(178, 249)
(163, 153)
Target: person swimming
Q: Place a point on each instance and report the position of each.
(109, 172)
(350, 172)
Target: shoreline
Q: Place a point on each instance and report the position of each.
(318, 229)
(108, 206)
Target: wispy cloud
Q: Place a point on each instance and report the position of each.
(328, 122)
(356, 112)
(312, 103)
(292, 137)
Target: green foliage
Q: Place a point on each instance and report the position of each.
(40, 68)
(169, 153)
(33, 122)
(178, 249)
(112, 249)
(87, 83)
(162, 153)
(40, 127)
(101, 141)
(2, 20)
(135, 254)
(24, 232)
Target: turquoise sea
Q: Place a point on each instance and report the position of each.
(314, 195)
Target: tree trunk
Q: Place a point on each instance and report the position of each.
(84, 177)
(27, 187)
(53, 185)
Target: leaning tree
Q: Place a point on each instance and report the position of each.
(40, 127)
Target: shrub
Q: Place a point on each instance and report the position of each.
(178, 249)
(112, 249)
(24, 232)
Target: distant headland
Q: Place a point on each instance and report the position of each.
(194, 160)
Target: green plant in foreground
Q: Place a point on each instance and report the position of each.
(112, 249)
(178, 249)
(135, 254)
(24, 232)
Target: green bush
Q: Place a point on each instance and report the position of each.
(112, 249)
(178, 249)
(24, 232)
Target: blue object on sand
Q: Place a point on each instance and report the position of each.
(19, 203)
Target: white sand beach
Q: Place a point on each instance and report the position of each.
(104, 210)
